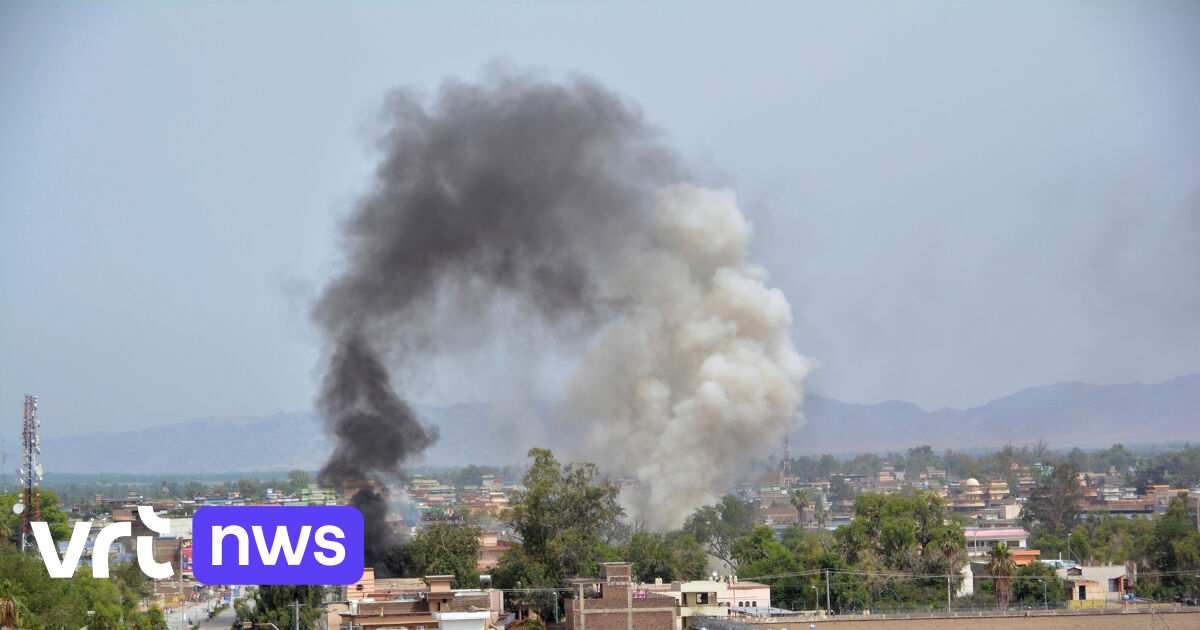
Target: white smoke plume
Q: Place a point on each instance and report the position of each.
(701, 372)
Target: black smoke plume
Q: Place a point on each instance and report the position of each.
(514, 189)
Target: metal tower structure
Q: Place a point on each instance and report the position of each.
(30, 472)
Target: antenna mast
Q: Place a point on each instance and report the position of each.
(31, 472)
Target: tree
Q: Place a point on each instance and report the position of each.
(827, 466)
(45, 602)
(1027, 586)
(155, 618)
(910, 533)
(472, 475)
(250, 488)
(801, 499)
(1054, 502)
(559, 518)
(804, 499)
(1175, 551)
(718, 526)
(758, 553)
(949, 544)
(919, 458)
(272, 604)
(1078, 545)
(1117, 457)
(1001, 567)
(10, 605)
(673, 556)
(1076, 459)
(688, 558)
(529, 623)
(439, 550)
(962, 465)
(51, 512)
(133, 586)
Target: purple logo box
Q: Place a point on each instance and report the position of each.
(277, 545)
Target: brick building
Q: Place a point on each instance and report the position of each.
(615, 607)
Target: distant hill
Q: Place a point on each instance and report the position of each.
(283, 441)
(1064, 415)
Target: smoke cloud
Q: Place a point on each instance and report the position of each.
(700, 373)
(558, 201)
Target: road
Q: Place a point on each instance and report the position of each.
(197, 613)
(221, 622)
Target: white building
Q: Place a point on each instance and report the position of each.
(477, 620)
(729, 591)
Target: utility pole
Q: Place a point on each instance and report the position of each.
(828, 608)
(295, 606)
(948, 576)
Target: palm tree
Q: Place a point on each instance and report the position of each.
(10, 605)
(800, 500)
(949, 541)
(1001, 567)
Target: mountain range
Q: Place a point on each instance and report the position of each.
(1063, 415)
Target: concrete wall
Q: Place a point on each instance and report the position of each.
(1066, 620)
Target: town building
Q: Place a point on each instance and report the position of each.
(1094, 585)
(729, 592)
(433, 604)
(614, 605)
(491, 548)
(981, 539)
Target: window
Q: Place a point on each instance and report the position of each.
(755, 604)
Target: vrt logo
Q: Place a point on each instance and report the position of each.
(316, 544)
(65, 567)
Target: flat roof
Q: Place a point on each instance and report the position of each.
(461, 616)
(994, 533)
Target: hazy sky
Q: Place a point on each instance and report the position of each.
(960, 200)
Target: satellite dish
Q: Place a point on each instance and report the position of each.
(18, 508)
(38, 469)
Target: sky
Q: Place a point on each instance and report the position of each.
(960, 200)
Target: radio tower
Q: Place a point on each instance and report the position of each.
(31, 472)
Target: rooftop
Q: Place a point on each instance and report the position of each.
(994, 533)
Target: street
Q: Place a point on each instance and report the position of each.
(197, 613)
